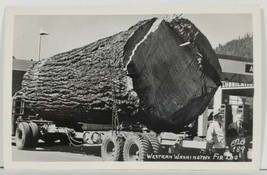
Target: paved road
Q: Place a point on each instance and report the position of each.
(56, 152)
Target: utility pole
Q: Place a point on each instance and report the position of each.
(42, 32)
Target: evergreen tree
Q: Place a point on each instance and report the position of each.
(241, 47)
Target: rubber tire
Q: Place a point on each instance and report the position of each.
(35, 134)
(110, 143)
(23, 136)
(139, 141)
(120, 141)
(154, 143)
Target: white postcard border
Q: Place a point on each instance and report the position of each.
(105, 10)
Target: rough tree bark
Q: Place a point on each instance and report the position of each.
(164, 73)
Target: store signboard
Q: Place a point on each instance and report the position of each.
(249, 68)
(236, 67)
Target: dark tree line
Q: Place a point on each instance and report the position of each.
(241, 47)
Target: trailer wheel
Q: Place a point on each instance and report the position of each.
(35, 134)
(110, 149)
(23, 135)
(136, 148)
(120, 141)
(154, 143)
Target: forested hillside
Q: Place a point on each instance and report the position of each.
(241, 47)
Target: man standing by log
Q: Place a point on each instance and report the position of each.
(216, 132)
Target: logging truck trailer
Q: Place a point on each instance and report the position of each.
(119, 141)
(129, 142)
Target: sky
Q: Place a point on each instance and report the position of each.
(69, 32)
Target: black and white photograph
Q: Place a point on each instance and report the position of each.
(175, 87)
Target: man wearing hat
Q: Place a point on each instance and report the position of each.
(216, 132)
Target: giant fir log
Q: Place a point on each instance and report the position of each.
(164, 73)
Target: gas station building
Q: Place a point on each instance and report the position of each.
(234, 99)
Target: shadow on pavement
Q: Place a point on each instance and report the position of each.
(59, 147)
